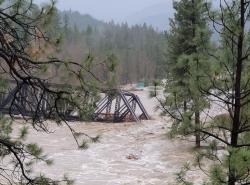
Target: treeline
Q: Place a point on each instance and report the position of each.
(137, 49)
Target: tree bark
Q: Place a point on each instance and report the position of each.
(237, 94)
(185, 106)
(197, 130)
(237, 108)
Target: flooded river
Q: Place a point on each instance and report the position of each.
(127, 154)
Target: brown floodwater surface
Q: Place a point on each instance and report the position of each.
(127, 154)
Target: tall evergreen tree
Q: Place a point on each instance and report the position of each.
(231, 91)
(225, 86)
(187, 42)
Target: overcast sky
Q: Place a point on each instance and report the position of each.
(106, 10)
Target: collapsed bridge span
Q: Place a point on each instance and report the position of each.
(116, 106)
(119, 106)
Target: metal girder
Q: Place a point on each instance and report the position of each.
(121, 107)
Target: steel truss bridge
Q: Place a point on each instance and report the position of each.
(119, 106)
(116, 106)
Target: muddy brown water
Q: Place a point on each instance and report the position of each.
(127, 154)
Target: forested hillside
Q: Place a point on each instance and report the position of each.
(138, 49)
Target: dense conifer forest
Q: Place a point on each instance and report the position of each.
(139, 49)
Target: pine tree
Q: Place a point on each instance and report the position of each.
(227, 87)
(231, 90)
(188, 41)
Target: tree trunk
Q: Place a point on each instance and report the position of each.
(231, 180)
(237, 106)
(197, 130)
(185, 106)
(197, 113)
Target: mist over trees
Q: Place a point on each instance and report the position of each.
(139, 49)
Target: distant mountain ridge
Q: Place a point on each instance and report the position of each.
(157, 16)
(82, 21)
